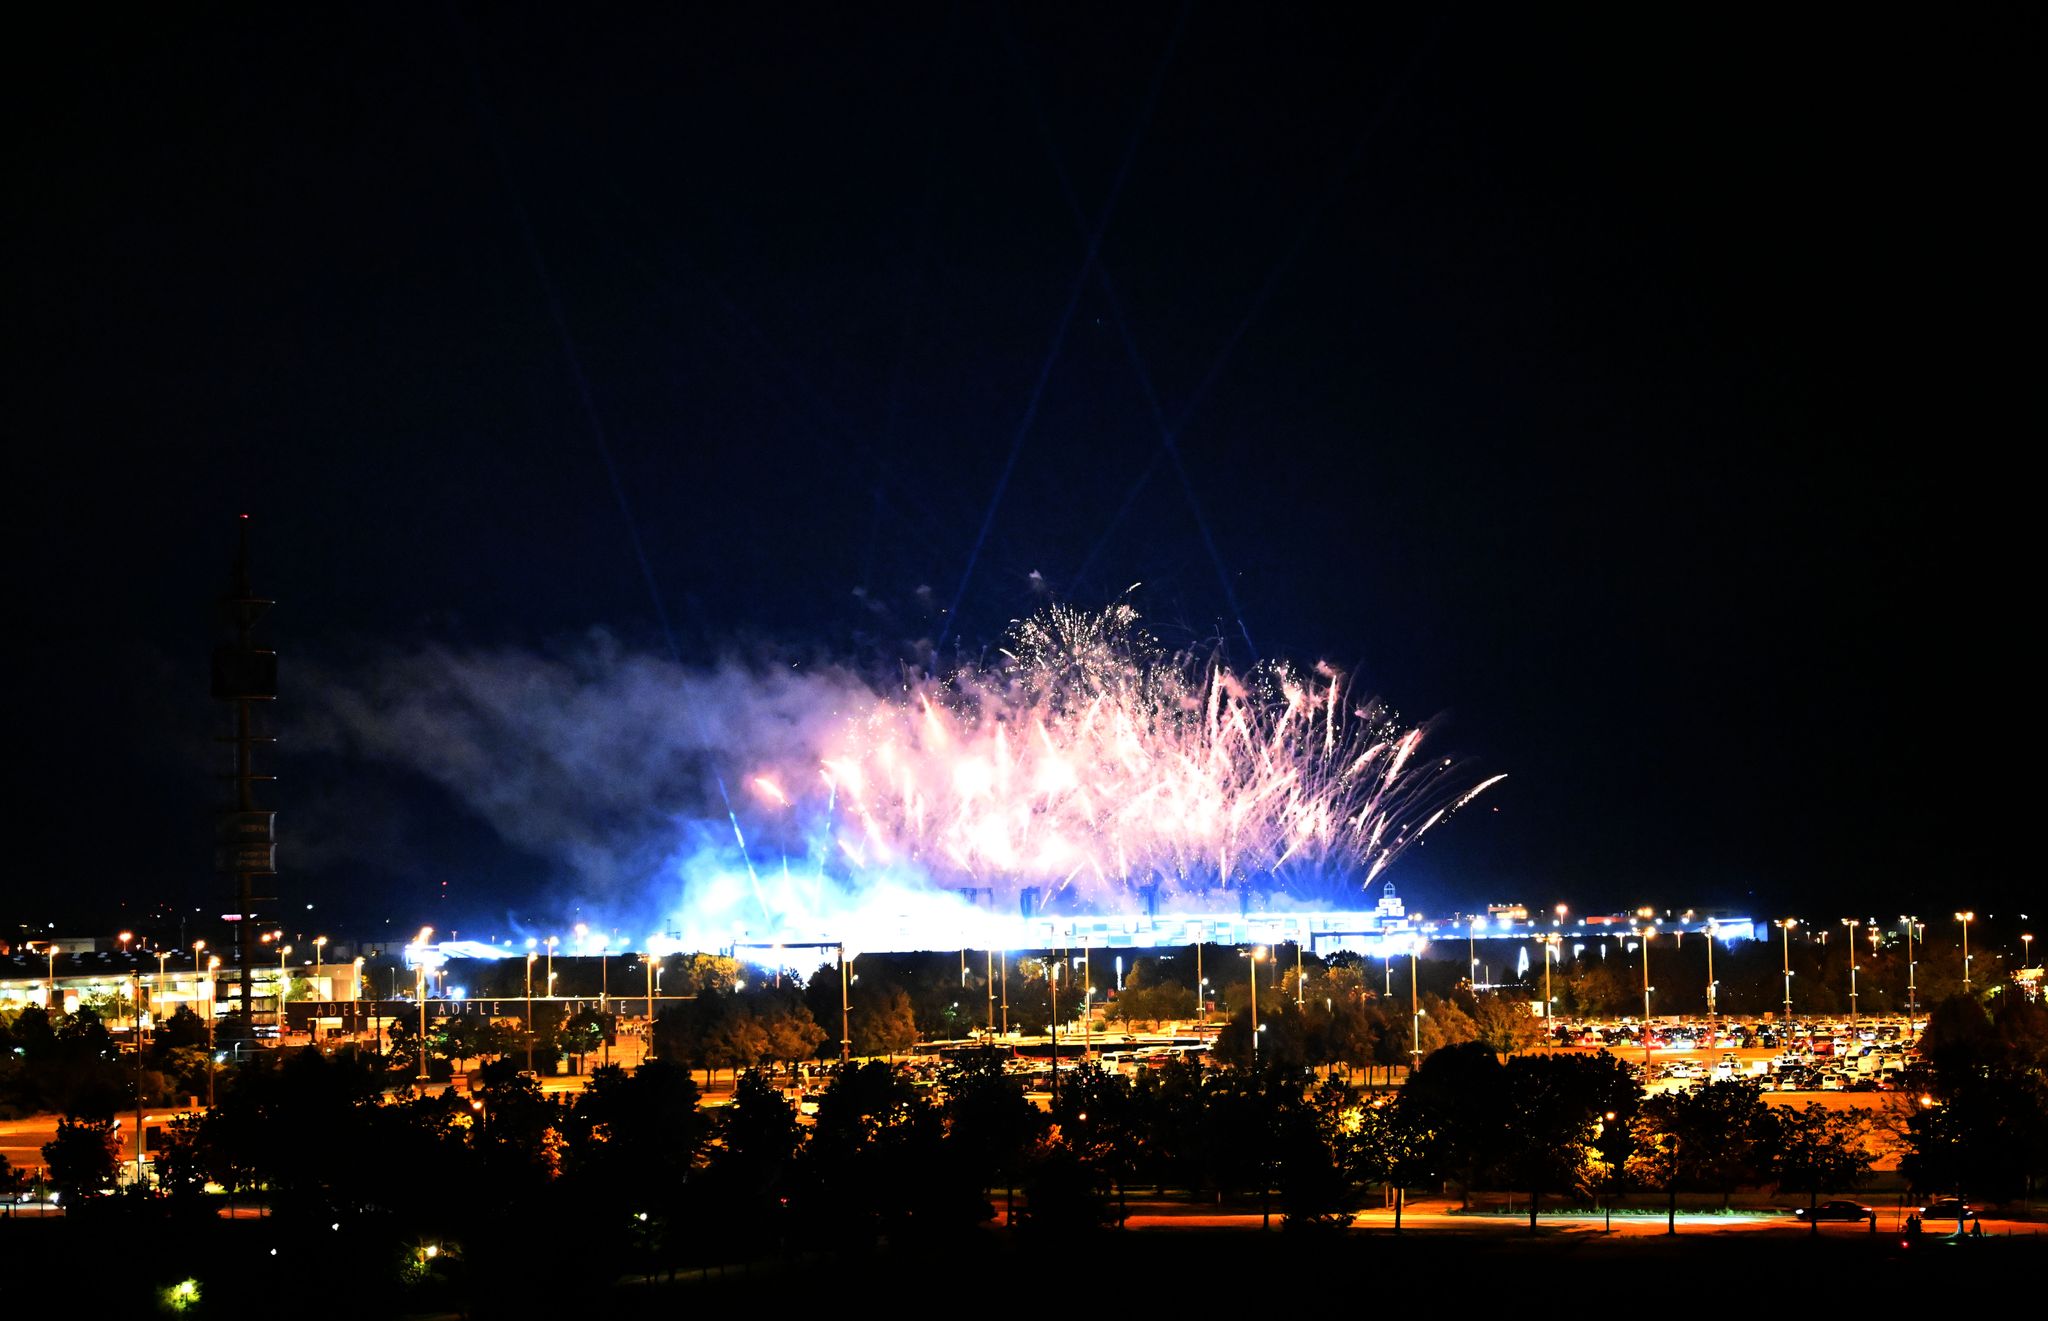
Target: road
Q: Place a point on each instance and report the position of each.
(1442, 1216)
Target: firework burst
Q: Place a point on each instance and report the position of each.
(1087, 767)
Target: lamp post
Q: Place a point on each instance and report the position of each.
(1201, 982)
(988, 979)
(648, 959)
(530, 957)
(1785, 925)
(1966, 919)
(604, 994)
(1472, 954)
(50, 994)
(1852, 924)
(319, 947)
(420, 994)
(2027, 950)
(157, 992)
(212, 1003)
(355, 996)
(1912, 970)
(1052, 991)
(1087, 1004)
(1300, 981)
(1550, 943)
(1713, 1018)
(283, 985)
(846, 1008)
(1646, 933)
(551, 964)
(1415, 1006)
(1256, 953)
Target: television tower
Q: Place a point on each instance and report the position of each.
(244, 675)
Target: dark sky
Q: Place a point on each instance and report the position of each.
(1646, 392)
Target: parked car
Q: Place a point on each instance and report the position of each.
(1836, 1210)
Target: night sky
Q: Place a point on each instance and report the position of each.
(1647, 393)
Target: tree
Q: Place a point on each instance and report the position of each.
(1096, 1118)
(582, 1034)
(1457, 1099)
(1552, 1104)
(1172, 1116)
(1958, 1041)
(1392, 1149)
(12, 1181)
(1506, 1025)
(1444, 1023)
(1343, 1032)
(882, 1020)
(1820, 1151)
(1988, 1139)
(991, 1126)
(460, 1038)
(82, 1157)
(1284, 1039)
(1713, 1138)
(1314, 1142)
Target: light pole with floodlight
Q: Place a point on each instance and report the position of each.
(1966, 919)
(1415, 1004)
(1785, 925)
(1713, 1018)
(1255, 954)
(1852, 924)
(1645, 934)
(420, 994)
(1550, 944)
(530, 957)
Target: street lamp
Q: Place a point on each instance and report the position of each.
(212, 1003)
(1713, 1019)
(283, 985)
(1646, 933)
(1912, 970)
(1852, 924)
(1550, 944)
(530, 957)
(50, 995)
(420, 995)
(648, 960)
(355, 994)
(1472, 955)
(551, 964)
(1257, 952)
(1966, 919)
(1785, 925)
(2027, 948)
(157, 992)
(319, 948)
(1415, 1003)
(846, 1012)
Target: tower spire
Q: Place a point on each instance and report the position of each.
(244, 675)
